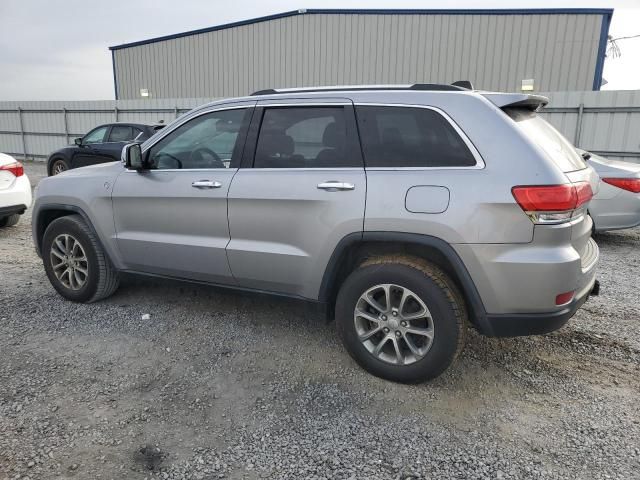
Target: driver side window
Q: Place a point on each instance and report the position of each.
(207, 141)
(95, 136)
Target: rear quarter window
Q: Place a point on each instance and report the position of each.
(396, 136)
(543, 134)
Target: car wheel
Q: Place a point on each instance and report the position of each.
(9, 221)
(58, 166)
(75, 262)
(401, 318)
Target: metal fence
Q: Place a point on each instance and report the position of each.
(607, 122)
(32, 130)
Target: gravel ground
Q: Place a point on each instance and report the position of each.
(170, 380)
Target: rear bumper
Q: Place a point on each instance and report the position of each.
(7, 211)
(517, 325)
(16, 198)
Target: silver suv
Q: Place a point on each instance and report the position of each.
(409, 212)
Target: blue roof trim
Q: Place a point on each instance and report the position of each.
(115, 78)
(208, 29)
(602, 50)
(531, 11)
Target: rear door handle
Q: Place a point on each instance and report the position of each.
(334, 186)
(206, 184)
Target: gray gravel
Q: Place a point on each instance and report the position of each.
(170, 380)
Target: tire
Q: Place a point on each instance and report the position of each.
(100, 277)
(58, 166)
(9, 221)
(431, 286)
(593, 226)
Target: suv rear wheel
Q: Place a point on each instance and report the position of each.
(401, 318)
(75, 263)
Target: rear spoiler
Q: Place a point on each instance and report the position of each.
(516, 100)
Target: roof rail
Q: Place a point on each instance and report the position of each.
(415, 86)
(464, 84)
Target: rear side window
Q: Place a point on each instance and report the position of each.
(303, 137)
(558, 148)
(136, 132)
(121, 133)
(410, 137)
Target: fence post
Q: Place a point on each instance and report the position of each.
(579, 125)
(175, 112)
(115, 111)
(66, 125)
(24, 143)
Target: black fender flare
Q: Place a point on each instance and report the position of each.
(464, 279)
(39, 228)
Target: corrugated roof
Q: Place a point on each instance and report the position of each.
(606, 12)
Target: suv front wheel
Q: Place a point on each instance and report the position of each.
(401, 318)
(75, 262)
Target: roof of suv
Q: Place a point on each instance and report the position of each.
(500, 99)
(454, 87)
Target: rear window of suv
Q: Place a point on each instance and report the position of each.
(410, 137)
(558, 148)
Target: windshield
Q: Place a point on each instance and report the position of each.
(558, 148)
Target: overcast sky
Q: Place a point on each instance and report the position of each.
(58, 50)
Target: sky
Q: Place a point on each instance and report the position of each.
(58, 50)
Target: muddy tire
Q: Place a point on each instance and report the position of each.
(401, 318)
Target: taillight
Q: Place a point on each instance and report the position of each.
(584, 193)
(16, 168)
(551, 204)
(629, 184)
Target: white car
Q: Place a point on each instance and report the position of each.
(15, 190)
(617, 203)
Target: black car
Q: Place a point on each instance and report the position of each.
(102, 144)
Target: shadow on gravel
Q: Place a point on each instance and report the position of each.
(618, 238)
(150, 457)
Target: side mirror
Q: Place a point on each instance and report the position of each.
(132, 156)
(78, 142)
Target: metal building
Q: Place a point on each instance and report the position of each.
(539, 49)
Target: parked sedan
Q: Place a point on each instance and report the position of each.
(617, 204)
(102, 144)
(15, 191)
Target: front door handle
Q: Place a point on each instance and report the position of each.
(206, 184)
(335, 186)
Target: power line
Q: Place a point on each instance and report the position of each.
(613, 49)
(623, 38)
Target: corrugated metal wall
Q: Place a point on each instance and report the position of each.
(48, 126)
(609, 123)
(495, 52)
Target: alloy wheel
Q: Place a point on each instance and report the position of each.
(69, 261)
(394, 324)
(59, 167)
